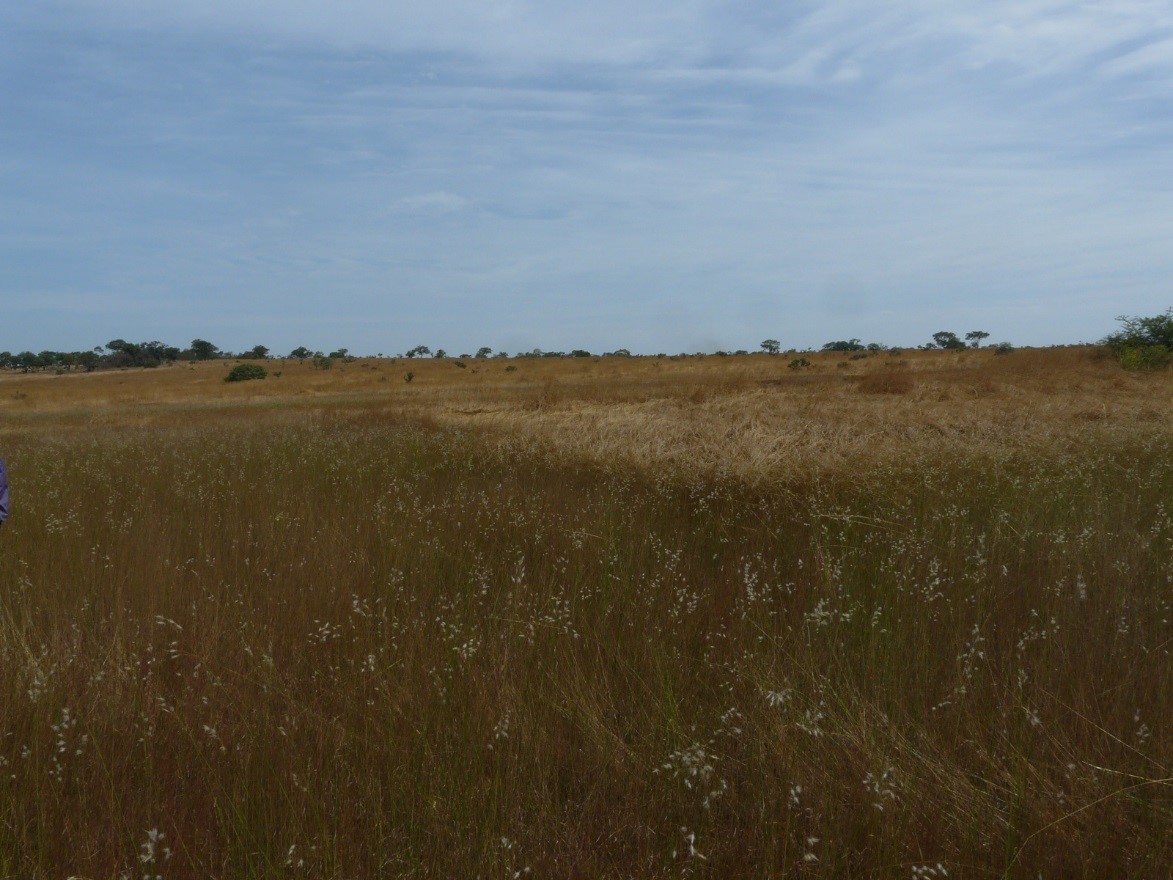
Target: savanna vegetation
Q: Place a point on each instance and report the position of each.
(886, 614)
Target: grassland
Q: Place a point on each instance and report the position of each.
(898, 617)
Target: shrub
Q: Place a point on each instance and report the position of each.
(1003, 348)
(1144, 357)
(1143, 343)
(244, 372)
(799, 364)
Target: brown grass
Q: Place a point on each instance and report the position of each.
(749, 417)
(591, 619)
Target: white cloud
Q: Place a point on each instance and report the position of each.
(614, 161)
(811, 40)
(432, 204)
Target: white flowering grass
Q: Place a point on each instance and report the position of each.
(324, 643)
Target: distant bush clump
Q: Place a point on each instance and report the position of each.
(244, 372)
(799, 364)
(1143, 343)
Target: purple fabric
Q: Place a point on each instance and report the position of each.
(3, 492)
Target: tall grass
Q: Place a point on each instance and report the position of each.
(346, 646)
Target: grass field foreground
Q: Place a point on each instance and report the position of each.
(266, 636)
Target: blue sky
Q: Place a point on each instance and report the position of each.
(660, 176)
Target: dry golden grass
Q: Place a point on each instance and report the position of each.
(747, 417)
(897, 617)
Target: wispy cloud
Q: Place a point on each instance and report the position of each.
(587, 175)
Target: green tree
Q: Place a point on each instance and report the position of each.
(203, 350)
(945, 339)
(975, 337)
(1143, 343)
(484, 351)
(844, 345)
(771, 346)
(301, 353)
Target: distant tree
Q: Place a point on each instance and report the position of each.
(844, 345)
(203, 350)
(27, 361)
(122, 353)
(771, 346)
(945, 339)
(257, 353)
(419, 351)
(151, 354)
(975, 337)
(580, 353)
(339, 353)
(484, 351)
(440, 353)
(301, 353)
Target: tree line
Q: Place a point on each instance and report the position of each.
(119, 353)
(1141, 343)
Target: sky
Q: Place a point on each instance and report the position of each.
(656, 175)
